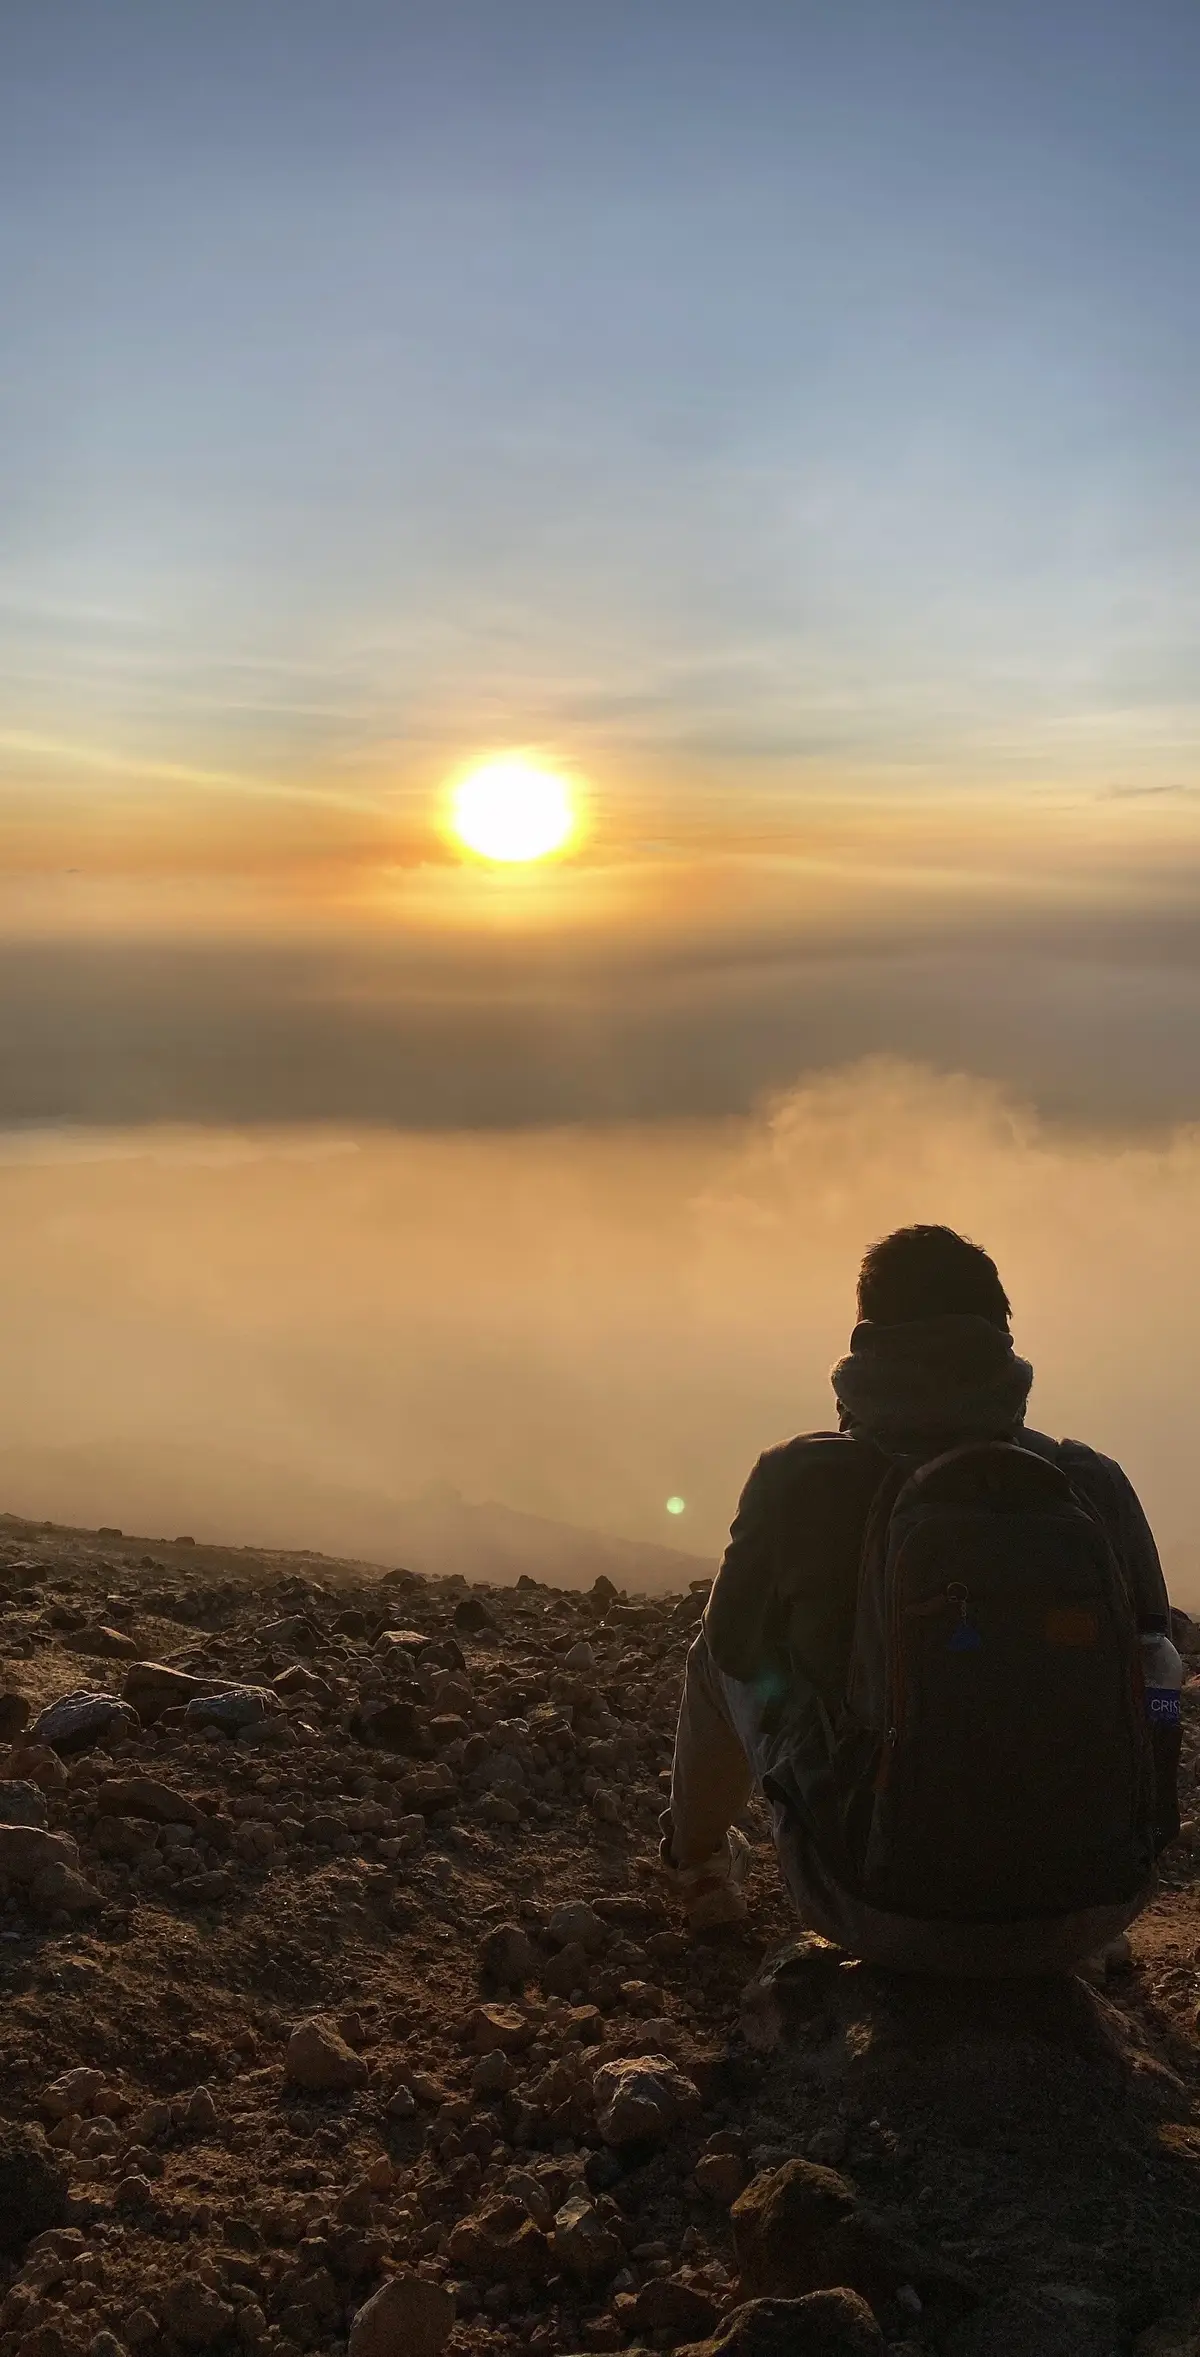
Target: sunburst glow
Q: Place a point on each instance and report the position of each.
(510, 810)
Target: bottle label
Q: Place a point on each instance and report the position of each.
(1162, 1705)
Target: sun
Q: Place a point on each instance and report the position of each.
(511, 810)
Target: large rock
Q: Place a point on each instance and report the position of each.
(641, 2099)
(194, 2314)
(232, 1709)
(406, 2317)
(58, 1889)
(26, 1850)
(825, 2324)
(33, 2189)
(583, 2245)
(152, 1688)
(102, 1643)
(21, 1803)
(671, 2307)
(501, 2244)
(577, 1924)
(144, 1796)
(802, 2229)
(319, 2060)
(507, 1957)
(78, 1720)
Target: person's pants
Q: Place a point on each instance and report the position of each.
(730, 1737)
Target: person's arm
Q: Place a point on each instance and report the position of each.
(1115, 1497)
(739, 1612)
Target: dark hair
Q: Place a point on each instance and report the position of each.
(930, 1272)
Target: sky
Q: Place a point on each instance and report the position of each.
(779, 421)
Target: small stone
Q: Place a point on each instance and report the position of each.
(577, 1924)
(580, 1657)
(641, 2099)
(406, 2317)
(319, 2060)
(583, 2244)
(472, 1614)
(507, 1957)
(202, 2116)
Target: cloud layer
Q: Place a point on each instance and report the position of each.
(282, 1337)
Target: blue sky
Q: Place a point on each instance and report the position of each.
(732, 398)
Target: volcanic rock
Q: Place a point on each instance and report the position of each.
(78, 1720)
(501, 2245)
(801, 2228)
(406, 2317)
(21, 1803)
(144, 1796)
(825, 2324)
(507, 1957)
(232, 1709)
(584, 2245)
(319, 2060)
(103, 1643)
(194, 2314)
(641, 2099)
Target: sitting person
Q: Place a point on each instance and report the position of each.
(940, 1643)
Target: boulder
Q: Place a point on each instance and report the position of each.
(577, 1925)
(58, 1888)
(641, 2099)
(802, 2229)
(26, 1850)
(583, 2245)
(21, 1803)
(824, 2324)
(671, 2307)
(78, 1720)
(501, 2244)
(507, 1957)
(144, 1796)
(102, 1643)
(194, 2314)
(501, 2027)
(152, 1688)
(233, 1708)
(406, 2317)
(319, 2060)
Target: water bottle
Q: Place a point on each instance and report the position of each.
(1162, 1678)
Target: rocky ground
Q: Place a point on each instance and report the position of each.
(341, 2004)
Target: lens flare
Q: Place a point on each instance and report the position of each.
(512, 811)
(676, 1505)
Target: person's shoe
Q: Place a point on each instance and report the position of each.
(711, 1893)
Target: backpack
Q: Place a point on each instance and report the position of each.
(993, 1762)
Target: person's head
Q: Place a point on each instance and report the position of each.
(930, 1272)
